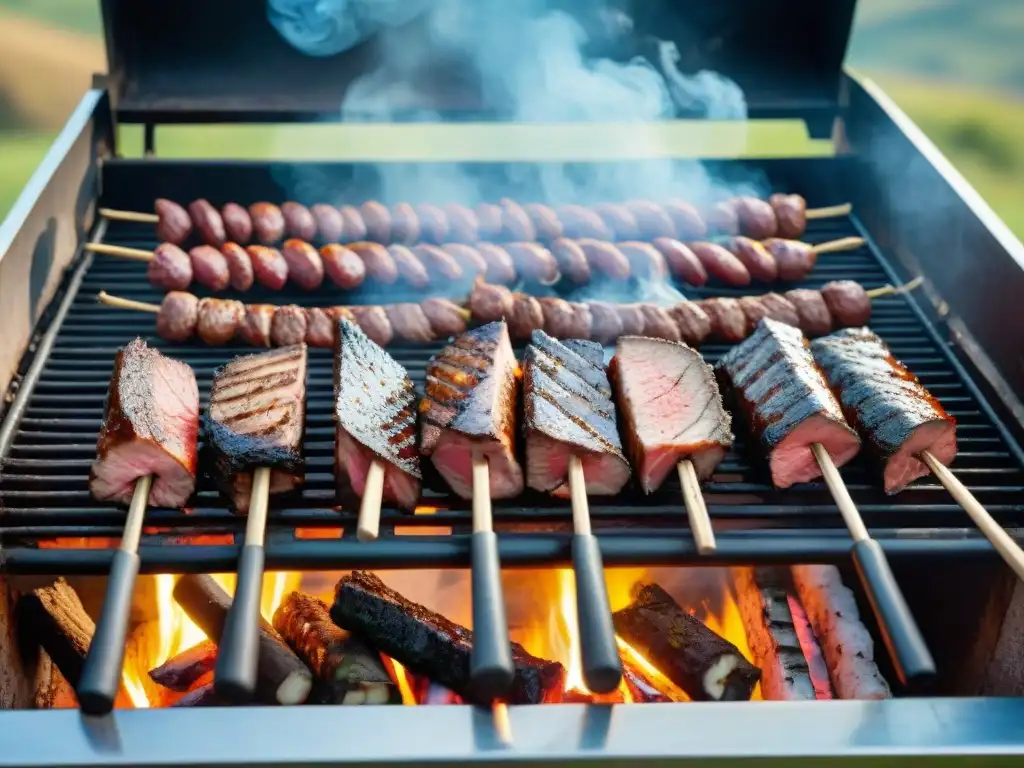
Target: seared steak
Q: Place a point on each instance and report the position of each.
(470, 408)
(892, 412)
(151, 426)
(257, 419)
(375, 416)
(568, 410)
(671, 408)
(787, 402)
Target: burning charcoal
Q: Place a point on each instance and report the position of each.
(355, 672)
(181, 672)
(845, 641)
(203, 696)
(428, 644)
(641, 688)
(763, 598)
(706, 666)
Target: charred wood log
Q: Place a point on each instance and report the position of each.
(430, 645)
(642, 689)
(706, 666)
(763, 598)
(202, 696)
(845, 642)
(282, 677)
(181, 672)
(353, 670)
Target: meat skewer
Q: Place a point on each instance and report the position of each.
(180, 316)
(572, 440)
(673, 416)
(468, 420)
(905, 426)
(146, 453)
(376, 458)
(782, 215)
(253, 430)
(793, 415)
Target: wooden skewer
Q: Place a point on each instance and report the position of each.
(891, 290)
(602, 666)
(101, 671)
(490, 667)
(368, 527)
(234, 676)
(119, 250)
(117, 215)
(696, 510)
(1001, 540)
(828, 212)
(117, 301)
(910, 655)
(836, 246)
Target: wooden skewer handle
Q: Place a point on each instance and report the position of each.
(829, 212)
(891, 290)
(117, 301)
(837, 246)
(1004, 544)
(117, 215)
(120, 250)
(368, 527)
(696, 509)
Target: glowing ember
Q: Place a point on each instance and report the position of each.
(812, 652)
(632, 656)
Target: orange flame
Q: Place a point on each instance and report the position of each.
(398, 673)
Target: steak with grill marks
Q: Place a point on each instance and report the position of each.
(257, 419)
(568, 410)
(151, 427)
(671, 408)
(469, 408)
(375, 416)
(890, 409)
(787, 402)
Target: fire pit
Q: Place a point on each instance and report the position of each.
(765, 646)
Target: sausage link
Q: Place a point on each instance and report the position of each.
(693, 322)
(298, 221)
(268, 266)
(433, 223)
(728, 321)
(721, 264)
(651, 219)
(791, 215)
(682, 262)
(239, 266)
(605, 259)
(288, 326)
(755, 257)
(559, 318)
(645, 261)
(319, 328)
(446, 317)
(527, 317)
(410, 267)
(687, 220)
(218, 320)
(254, 329)
(659, 324)
(405, 224)
(534, 262)
(848, 303)
(498, 261)
(409, 322)
(330, 224)
(516, 225)
(488, 221)
(174, 225)
(305, 267)
(237, 223)
(373, 321)
(178, 316)
(354, 230)
(377, 218)
(632, 318)
(267, 222)
(572, 261)
(442, 265)
(723, 218)
(605, 323)
(545, 222)
(795, 260)
(619, 219)
(462, 224)
(209, 267)
(489, 302)
(378, 262)
(756, 217)
(170, 268)
(343, 266)
(578, 222)
(812, 311)
(207, 222)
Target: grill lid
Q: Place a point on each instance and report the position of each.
(197, 61)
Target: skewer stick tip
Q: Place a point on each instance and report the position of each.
(368, 528)
(483, 518)
(578, 497)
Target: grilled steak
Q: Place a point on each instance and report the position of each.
(671, 408)
(256, 419)
(375, 416)
(151, 426)
(892, 412)
(568, 410)
(470, 407)
(787, 402)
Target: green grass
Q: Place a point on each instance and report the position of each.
(72, 15)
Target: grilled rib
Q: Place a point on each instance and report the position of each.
(671, 408)
(469, 408)
(151, 426)
(787, 402)
(375, 417)
(892, 412)
(257, 419)
(568, 410)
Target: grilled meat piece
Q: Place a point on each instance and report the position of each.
(375, 416)
(671, 409)
(409, 322)
(256, 419)
(892, 412)
(568, 410)
(470, 407)
(787, 402)
(151, 427)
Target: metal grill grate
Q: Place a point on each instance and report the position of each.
(45, 492)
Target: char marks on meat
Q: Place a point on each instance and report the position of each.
(151, 428)
(671, 408)
(787, 402)
(469, 408)
(257, 419)
(568, 410)
(887, 405)
(375, 416)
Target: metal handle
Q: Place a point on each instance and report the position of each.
(234, 677)
(907, 648)
(491, 670)
(602, 667)
(101, 672)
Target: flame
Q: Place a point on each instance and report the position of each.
(177, 632)
(401, 677)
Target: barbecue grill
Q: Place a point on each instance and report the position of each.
(186, 62)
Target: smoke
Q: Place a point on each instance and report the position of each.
(329, 27)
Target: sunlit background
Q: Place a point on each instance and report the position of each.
(956, 66)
